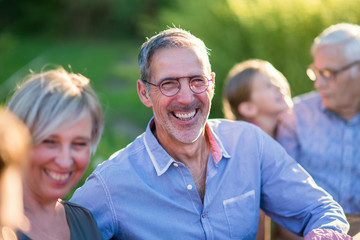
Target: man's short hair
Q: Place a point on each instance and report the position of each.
(345, 34)
(169, 38)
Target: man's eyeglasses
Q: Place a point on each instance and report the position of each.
(327, 74)
(171, 86)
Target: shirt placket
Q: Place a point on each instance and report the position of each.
(200, 209)
(347, 158)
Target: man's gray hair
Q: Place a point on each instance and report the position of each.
(345, 34)
(170, 38)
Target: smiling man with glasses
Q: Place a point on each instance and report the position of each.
(324, 135)
(190, 177)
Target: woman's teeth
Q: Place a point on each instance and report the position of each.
(57, 176)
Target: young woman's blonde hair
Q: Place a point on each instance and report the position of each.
(53, 98)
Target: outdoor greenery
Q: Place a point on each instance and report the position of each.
(278, 31)
(111, 67)
(80, 18)
(101, 40)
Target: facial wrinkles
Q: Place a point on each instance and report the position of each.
(337, 93)
(348, 90)
(184, 132)
(181, 116)
(184, 108)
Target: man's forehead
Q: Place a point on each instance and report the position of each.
(329, 55)
(329, 51)
(177, 56)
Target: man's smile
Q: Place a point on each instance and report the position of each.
(185, 116)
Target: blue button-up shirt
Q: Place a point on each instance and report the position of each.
(143, 193)
(327, 146)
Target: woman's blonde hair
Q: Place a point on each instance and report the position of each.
(53, 98)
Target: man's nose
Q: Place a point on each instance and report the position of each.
(185, 94)
(320, 81)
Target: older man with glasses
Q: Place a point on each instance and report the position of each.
(324, 133)
(190, 177)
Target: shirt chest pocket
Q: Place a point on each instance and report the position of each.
(242, 216)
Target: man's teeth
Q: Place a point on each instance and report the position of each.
(185, 116)
(58, 176)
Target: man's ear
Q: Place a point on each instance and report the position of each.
(213, 78)
(143, 94)
(248, 109)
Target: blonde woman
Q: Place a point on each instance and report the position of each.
(65, 120)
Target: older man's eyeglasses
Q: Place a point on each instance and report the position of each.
(327, 74)
(171, 86)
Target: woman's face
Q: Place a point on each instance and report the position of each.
(59, 161)
(269, 95)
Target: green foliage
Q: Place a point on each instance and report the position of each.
(278, 31)
(235, 30)
(85, 18)
(111, 67)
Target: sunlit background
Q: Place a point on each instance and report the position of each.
(101, 39)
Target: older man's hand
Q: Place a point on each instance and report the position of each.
(326, 234)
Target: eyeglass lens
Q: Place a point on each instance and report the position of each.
(170, 87)
(327, 74)
(312, 73)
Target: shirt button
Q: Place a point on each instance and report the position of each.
(176, 165)
(203, 215)
(189, 187)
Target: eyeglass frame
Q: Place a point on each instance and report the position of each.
(179, 85)
(332, 73)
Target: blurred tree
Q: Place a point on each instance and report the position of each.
(85, 18)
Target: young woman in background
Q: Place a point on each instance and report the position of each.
(256, 92)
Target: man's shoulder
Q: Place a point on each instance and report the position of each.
(308, 111)
(307, 98)
(310, 101)
(122, 156)
(221, 124)
(223, 128)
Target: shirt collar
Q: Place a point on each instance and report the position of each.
(159, 157)
(216, 147)
(355, 119)
(162, 160)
